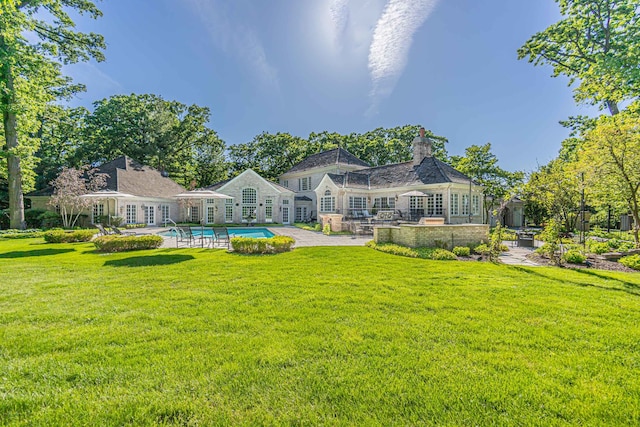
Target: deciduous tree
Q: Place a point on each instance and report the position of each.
(68, 188)
(596, 44)
(481, 165)
(30, 75)
(610, 158)
(167, 135)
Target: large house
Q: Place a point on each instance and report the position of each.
(331, 183)
(337, 182)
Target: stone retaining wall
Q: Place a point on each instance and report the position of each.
(447, 236)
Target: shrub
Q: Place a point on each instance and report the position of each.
(4, 219)
(273, 245)
(440, 254)
(509, 235)
(392, 248)
(551, 235)
(462, 251)
(326, 229)
(631, 261)
(598, 247)
(481, 249)
(33, 218)
(50, 220)
(129, 226)
(62, 236)
(115, 243)
(574, 257)
(317, 227)
(20, 234)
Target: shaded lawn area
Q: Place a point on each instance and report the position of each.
(336, 336)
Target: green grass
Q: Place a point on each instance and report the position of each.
(336, 336)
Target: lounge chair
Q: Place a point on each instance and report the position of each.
(102, 230)
(222, 236)
(184, 234)
(198, 235)
(116, 230)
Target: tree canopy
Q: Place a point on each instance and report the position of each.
(30, 77)
(597, 44)
(481, 165)
(273, 154)
(167, 135)
(610, 158)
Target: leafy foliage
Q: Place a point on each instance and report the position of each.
(597, 44)
(31, 78)
(481, 165)
(62, 236)
(631, 261)
(116, 243)
(271, 155)
(272, 245)
(610, 158)
(552, 238)
(574, 257)
(68, 189)
(166, 135)
(462, 251)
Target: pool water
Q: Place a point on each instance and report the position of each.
(255, 232)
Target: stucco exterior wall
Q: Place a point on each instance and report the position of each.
(448, 235)
(263, 189)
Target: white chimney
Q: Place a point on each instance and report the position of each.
(421, 148)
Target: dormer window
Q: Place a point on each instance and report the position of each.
(304, 184)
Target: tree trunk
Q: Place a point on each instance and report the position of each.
(14, 172)
(613, 107)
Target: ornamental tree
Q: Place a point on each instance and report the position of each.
(68, 188)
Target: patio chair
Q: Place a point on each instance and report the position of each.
(222, 236)
(184, 234)
(101, 228)
(198, 235)
(116, 230)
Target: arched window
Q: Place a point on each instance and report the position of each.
(327, 202)
(249, 204)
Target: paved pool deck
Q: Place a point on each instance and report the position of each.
(304, 238)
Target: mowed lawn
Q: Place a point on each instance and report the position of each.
(331, 336)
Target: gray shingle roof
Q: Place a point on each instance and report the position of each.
(130, 176)
(430, 171)
(336, 156)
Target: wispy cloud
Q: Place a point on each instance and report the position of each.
(237, 39)
(392, 38)
(339, 15)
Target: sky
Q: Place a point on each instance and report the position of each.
(303, 66)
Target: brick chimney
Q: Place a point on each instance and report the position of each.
(421, 148)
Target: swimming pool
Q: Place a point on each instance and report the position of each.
(257, 232)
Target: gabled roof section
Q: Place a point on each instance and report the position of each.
(127, 175)
(219, 186)
(130, 176)
(337, 156)
(430, 171)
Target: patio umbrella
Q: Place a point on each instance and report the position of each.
(202, 194)
(414, 193)
(106, 195)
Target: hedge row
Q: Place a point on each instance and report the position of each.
(20, 234)
(437, 254)
(62, 236)
(273, 245)
(114, 243)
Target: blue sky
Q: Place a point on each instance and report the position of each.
(302, 66)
